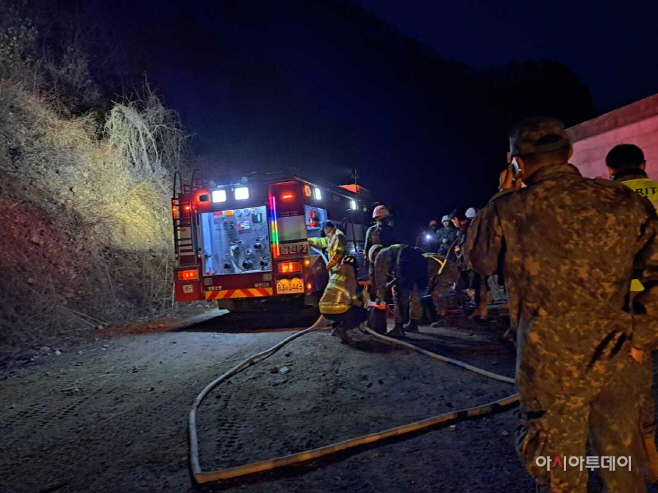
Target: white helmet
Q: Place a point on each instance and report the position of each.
(471, 213)
(445, 218)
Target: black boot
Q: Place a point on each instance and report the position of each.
(397, 330)
(340, 332)
(412, 326)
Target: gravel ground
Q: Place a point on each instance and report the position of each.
(111, 415)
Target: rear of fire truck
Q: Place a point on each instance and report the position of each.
(246, 243)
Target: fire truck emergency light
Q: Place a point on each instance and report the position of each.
(307, 191)
(317, 193)
(287, 196)
(219, 196)
(353, 204)
(242, 193)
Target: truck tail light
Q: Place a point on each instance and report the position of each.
(188, 275)
(289, 267)
(202, 197)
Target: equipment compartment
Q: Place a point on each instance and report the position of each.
(235, 241)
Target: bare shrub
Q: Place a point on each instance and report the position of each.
(147, 134)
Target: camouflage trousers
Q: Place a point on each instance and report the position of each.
(483, 296)
(440, 286)
(554, 425)
(407, 304)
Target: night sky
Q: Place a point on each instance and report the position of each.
(610, 45)
(331, 85)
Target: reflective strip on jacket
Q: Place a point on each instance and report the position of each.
(336, 247)
(340, 293)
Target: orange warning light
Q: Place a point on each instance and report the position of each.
(289, 267)
(188, 275)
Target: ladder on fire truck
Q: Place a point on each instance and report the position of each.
(185, 241)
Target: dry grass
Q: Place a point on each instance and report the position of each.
(86, 223)
(102, 194)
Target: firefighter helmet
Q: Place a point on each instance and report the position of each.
(372, 253)
(328, 224)
(380, 212)
(471, 213)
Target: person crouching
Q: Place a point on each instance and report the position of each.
(340, 302)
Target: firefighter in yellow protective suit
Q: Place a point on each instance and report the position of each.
(334, 242)
(340, 302)
(626, 164)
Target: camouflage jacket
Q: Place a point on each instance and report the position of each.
(386, 265)
(379, 234)
(569, 246)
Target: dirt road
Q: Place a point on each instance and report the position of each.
(110, 415)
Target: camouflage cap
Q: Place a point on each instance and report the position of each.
(537, 135)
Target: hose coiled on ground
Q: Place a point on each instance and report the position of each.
(268, 465)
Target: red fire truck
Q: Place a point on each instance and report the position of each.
(242, 242)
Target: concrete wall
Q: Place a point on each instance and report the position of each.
(636, 124)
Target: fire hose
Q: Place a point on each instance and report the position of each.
(289, 460)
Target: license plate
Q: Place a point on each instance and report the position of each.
(290, 286)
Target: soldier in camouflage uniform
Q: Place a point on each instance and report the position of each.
(403, 269)
(575, 372)
(626, 164)
(380, 233)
